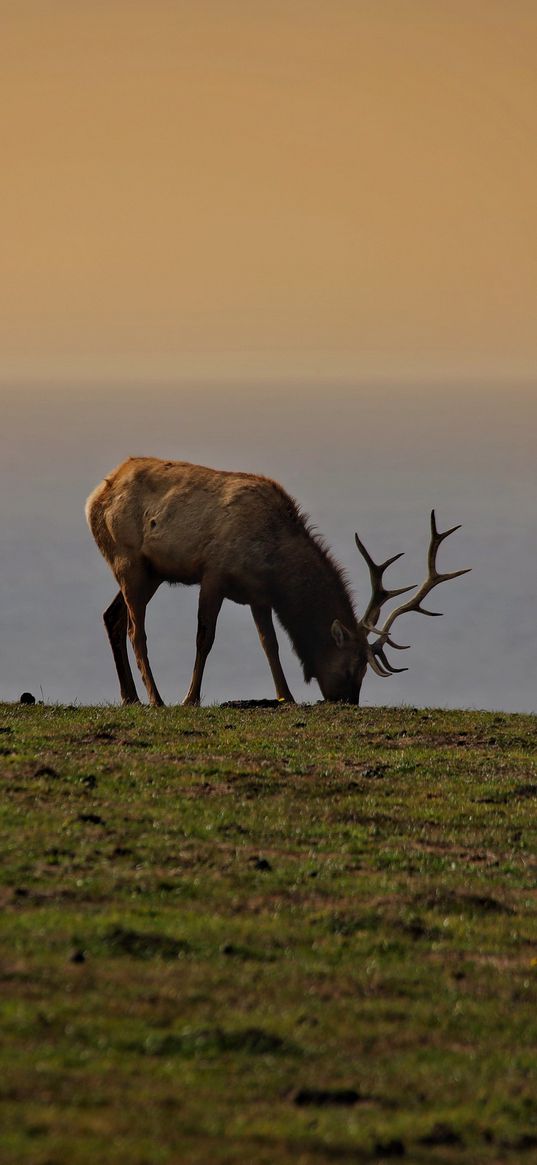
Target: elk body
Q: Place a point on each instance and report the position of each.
(240, 537)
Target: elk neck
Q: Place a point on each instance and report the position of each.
(310, 591)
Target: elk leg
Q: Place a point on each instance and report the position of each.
(210, 601)
(263, 621)
(116, 620)
(137, 596)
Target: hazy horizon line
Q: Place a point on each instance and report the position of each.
(242, 379)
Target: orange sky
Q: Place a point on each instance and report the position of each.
(271, 188)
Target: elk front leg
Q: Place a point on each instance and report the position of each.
(263, 621)
(116, 621)
(210, 601)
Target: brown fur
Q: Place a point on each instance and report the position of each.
(239, 536)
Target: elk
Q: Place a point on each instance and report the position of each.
(240, 536)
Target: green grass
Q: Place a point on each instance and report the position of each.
(293, 935)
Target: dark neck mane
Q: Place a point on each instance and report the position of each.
(311, 590)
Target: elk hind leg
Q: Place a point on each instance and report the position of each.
(263, 621)
(137, 594)
(116, 622)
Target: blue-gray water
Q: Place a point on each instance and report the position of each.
(373, 459)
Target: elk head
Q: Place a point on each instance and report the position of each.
(344, 663)
(375, 648)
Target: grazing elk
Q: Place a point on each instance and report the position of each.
(241, 537)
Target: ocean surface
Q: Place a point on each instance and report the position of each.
(371, 458)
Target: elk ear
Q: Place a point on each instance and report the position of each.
(340, 634)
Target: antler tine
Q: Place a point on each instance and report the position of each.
(379, 652)
(379, 593)
(437, 537)
(376, 655)
(384, 639)
(374, 663)
(378, 660)
(375, 566)
(434, 578)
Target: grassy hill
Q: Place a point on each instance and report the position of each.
(293, 934)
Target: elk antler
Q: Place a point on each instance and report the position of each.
(380, 595)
